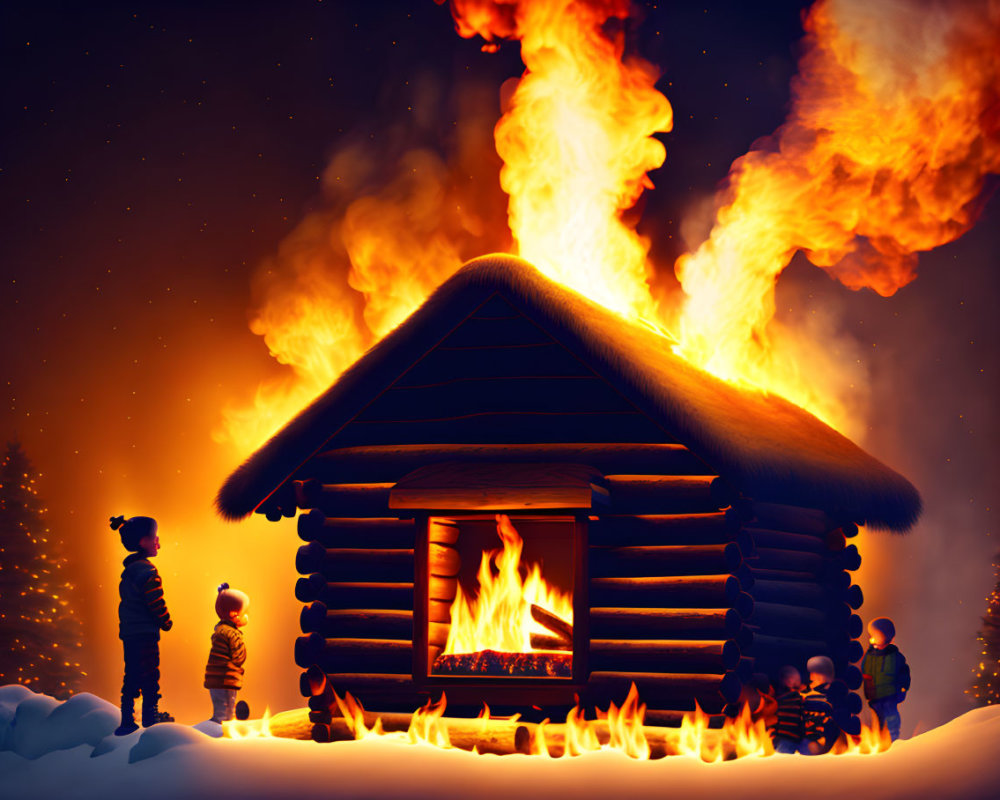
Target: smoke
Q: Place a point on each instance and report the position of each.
(894, 124)
(400, 213)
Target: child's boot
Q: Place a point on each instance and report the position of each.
(151, 714)
(128, 717)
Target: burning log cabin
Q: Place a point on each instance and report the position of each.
(686, 533)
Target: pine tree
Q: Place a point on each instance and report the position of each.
(985, 690)
(40, 634)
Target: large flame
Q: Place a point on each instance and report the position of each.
(577, 142)
(499, 616)
(894, 124)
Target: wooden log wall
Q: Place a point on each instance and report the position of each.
(358, 624)
(804, 600)
(667, 603)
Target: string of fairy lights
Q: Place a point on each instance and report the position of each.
(40, 632)
(985, 689)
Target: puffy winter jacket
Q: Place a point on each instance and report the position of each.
(886, 672)
(142, 610)
(224, 669)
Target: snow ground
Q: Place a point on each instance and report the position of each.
(50, 749)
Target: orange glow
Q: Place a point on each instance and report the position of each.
(250, 728)
(872, 739)
(499, 617)
(883, 155)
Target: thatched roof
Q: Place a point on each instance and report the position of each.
(767, 447)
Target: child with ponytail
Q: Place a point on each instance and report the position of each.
(142, 614)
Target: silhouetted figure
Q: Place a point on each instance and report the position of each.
(224, 670)
(818, 710)
(886, 673)
(788, 732)
(142, 614)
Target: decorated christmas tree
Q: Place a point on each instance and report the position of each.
(985, 688)
(39, 630)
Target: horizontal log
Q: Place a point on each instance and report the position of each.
(439, 610)
(699, 591)
(853, 677)
(707, 689)
(782, 540)
(784, 620)
(437, 633)
(789, 560)
(366, 623)
(665, 623)
(793, 593)
(377, 532)
(442, 532)
(442, 589)
(500, 427)
(661, 740)
(672, 718)
(664, 560)
(666, 655)
(667, 494)
(364, 655)
(544, 641)
(343, 564)
(499, 487)
(835, 540)
(464, 395)
(849, 558)
(443, 560)
(613, 530)
(344, 499)
(777, 650)
(854, 596)
(792, 518)
(556, 625)
(389, 463)
(354, 594)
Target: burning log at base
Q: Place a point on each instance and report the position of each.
(502, 736)
(560, 628)
(492, 662)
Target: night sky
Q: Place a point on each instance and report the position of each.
(154, 157)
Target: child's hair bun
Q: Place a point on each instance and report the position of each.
(117, 522)
(223, 587)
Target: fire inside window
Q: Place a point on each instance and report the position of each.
(500, 596)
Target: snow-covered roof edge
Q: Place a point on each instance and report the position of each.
(769, 448)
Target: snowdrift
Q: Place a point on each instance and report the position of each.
(67, 750)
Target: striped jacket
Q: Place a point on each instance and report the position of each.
(225, 660)
(818, 724)
(142, 610)
(789, 724)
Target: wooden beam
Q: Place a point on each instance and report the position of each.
(795, 519)
(378, 532)
(372, 655)
(612, 530)
(782, 540)
(701, 591)
(654, 687)
(389, 463)
(665, 623)
(667, 494)
(363, 622)
(352, 594)
(657, 560)
(458, 486)
(344, 499)
(342, 564)
(669, 655)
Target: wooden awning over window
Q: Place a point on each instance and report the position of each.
(454, 486)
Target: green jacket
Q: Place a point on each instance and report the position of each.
(886, 672)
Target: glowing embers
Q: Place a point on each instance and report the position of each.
(491, 611)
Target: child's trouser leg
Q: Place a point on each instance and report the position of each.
(223, 704)
(887, 713)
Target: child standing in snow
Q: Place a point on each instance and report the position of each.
(788, 732)
(142, 614)
(886, 674)
(224, 671)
